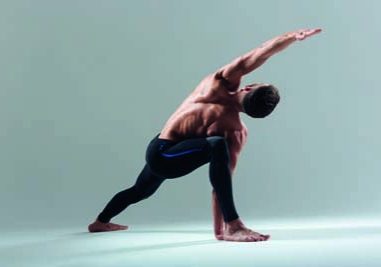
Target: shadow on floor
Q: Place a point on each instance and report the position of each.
(276, 234)
(280, 234)
(141, 248)
(153, 231)
(140, 234)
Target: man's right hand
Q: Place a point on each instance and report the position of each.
(302, 34)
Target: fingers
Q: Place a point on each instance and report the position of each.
(302, 34)
(312, 32)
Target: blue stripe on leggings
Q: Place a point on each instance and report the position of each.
(181, 153)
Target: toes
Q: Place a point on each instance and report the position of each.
(254, 238)
(251, 238)
(120, 227)
(262, 237)
(115, 227)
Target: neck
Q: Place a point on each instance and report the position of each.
(237, 100)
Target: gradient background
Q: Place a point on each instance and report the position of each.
(85, 85)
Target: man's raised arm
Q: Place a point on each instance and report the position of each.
(248, 62)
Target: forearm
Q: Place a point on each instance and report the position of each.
(248, 62)
(256, 57)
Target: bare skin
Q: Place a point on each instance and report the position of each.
(214, 108)
(98, 226)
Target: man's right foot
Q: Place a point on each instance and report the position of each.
(98, 226)
(237, 231)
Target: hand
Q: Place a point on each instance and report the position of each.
(302, 34)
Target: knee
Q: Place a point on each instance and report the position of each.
(138, 196)
(217, 142)
(219, 147)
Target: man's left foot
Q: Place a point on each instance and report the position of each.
(237, 231)
(98, 226)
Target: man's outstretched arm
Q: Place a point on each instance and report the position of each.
(248, 62)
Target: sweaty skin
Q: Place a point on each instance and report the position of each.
(214, 108)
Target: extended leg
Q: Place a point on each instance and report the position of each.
(146, 184)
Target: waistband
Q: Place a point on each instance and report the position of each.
(163, 140)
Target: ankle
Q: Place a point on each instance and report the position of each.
(233, 225)
(98, 221)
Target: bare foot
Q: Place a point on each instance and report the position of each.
(219, 231)
(219, 226)
(98, 226)
(237, 231)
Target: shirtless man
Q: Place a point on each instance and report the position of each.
(206, 128)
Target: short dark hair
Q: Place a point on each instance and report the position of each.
(261, 102)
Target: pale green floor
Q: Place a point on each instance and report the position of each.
(317, 242)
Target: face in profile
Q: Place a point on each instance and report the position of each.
(260, 99)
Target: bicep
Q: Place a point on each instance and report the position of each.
(230, 75)
(233, 71)
(239, 67)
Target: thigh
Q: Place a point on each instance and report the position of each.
(181, 158)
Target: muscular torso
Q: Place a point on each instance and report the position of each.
(207, 111)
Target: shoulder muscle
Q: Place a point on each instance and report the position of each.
(224, 82)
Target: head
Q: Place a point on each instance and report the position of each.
(260, 99)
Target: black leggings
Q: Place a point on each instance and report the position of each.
(167, 159)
